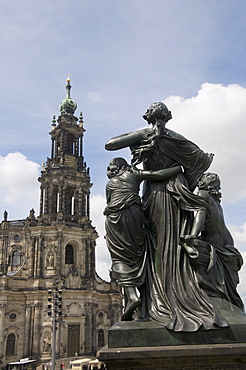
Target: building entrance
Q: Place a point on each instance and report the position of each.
(73, 340)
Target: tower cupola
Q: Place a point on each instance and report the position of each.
(68, 105)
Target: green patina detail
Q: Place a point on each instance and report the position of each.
(68, 105)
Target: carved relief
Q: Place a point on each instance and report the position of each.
(73, 279)
(47, 345)
(50, 260)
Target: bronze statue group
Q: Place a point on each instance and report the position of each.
(171, 250)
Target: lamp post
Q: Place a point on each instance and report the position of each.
(54, 311)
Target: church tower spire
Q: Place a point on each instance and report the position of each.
(65, 179)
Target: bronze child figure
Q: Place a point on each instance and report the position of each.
(125, 232)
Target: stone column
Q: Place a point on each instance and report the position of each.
(80, 196)
(94, 327)
(32, 255)
(37, 328)
(88, 205)
(5, 246)
(27, 333)
(88, 328)
(76, 144)
(50, 199)
(76, 203)
(39, 254)
(41, 201)
(81, 146)
(87, 258)
(64, 206)
(59, 254)
(52, 147)
(61, 189)
(3, 307)
(56, 148)
(46, 201)
(37, 257)
(63, 142)
(31, 331)
(84, 205)
(93, 257)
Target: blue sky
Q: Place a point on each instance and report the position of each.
(122, 56)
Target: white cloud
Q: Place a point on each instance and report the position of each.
(94, 96)
(215, 120)
(98, 203)
(19, 188)
(239, 234)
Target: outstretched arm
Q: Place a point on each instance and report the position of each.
(200, 218)
(161, 174)
(123, 141)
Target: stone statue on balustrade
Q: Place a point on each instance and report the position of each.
(170, 250)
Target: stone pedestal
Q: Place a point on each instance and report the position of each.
(188, 357)
(50, 271)
(149, 345)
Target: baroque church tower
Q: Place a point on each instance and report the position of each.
(55, 252)
(65, 191)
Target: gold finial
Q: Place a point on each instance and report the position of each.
(68, 77)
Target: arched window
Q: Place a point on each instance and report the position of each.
(72, 206)
(10, 345)
(16, 258)
(70, 143)
(100, 338)
(69, 255)
(70, 200)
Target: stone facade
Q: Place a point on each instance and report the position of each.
(55, 250)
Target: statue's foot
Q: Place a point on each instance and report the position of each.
(130, 308)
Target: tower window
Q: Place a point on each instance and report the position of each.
(69, 255)
(100, 338)
(72, 206)
(10, 345)
(70, 143)
(16, 258)
(70, 203)
(55, 200)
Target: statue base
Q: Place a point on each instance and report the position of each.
(188, 357)
(149, 345)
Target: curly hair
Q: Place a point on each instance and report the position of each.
(158, 111)
(120, 164)
(210, 182)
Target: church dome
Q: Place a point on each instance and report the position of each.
(68, 105)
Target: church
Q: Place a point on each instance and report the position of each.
(48, 262)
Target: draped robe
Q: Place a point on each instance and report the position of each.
(124, 226)
(175, 298)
